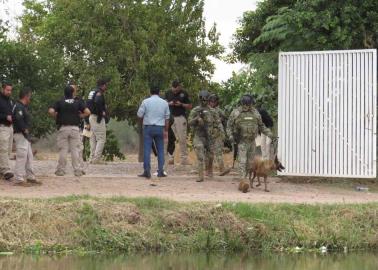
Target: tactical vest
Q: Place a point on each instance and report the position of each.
(69, 112)
(246, 126)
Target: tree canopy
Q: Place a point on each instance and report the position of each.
(136, 43)
(298, 25)
(41, 70)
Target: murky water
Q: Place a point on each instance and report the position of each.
(359, 261)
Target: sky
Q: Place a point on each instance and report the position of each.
(225, 13)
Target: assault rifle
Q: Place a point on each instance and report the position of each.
(235, 150)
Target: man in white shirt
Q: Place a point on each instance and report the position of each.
(155, 114)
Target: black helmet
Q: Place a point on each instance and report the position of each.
(214, 98)
(203, 95)
(246, 100)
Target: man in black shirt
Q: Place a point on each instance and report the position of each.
(179, 103)
(24, 154)
(6, 129)
(68, 112)
(98, 120)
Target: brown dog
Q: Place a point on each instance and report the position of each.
(261, 168)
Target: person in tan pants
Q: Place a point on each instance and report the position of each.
(179, 103)
(6, 130)
(98, 120)
(24, 155)
(68, 112)
(81, 127)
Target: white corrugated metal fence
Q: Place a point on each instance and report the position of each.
(327, 123)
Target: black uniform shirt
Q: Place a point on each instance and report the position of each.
(181, 96)
(6, 106)
(22, 118)
(69, 111)
(97, 105)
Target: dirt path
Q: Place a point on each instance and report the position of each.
(119, 179)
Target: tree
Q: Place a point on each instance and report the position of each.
(251, 27)
(279, 25)
(23, 66)
(135, 43)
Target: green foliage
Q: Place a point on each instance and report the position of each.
(135, 43)
(126, 135)
(251, 26)
(40, 70)
(111, 148)
(150, 224)
(288, 25)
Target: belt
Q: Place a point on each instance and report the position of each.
(153, 126)
(4, 125)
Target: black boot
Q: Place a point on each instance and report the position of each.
(145, 175)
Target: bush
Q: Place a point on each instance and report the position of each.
(111, 149)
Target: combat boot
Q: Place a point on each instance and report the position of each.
(200, 176)
(22, 184)
(33, 180)
(78, 173)
(223, 171)
(8, 176)
(60, 173)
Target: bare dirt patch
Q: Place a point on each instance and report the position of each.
(119, 179)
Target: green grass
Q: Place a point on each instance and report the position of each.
(119, 224)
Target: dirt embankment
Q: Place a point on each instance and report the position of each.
(123, 224)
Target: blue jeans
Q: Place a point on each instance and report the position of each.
(153, 133)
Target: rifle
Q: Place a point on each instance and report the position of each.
(205, 130)
(235, 149)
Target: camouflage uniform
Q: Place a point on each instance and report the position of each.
(231, 123)
(219, 140)
(246, 127)
(204, 137)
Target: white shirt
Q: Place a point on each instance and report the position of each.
(154, 111)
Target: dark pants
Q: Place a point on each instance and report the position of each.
(153, 133)
(171, 141)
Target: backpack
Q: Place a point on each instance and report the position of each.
(247, 126)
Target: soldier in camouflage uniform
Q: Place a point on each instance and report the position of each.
(203, 120)
(246, 127)
(219, 135)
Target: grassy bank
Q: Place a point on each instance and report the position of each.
(148, 224)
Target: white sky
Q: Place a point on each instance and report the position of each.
(225, 13)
